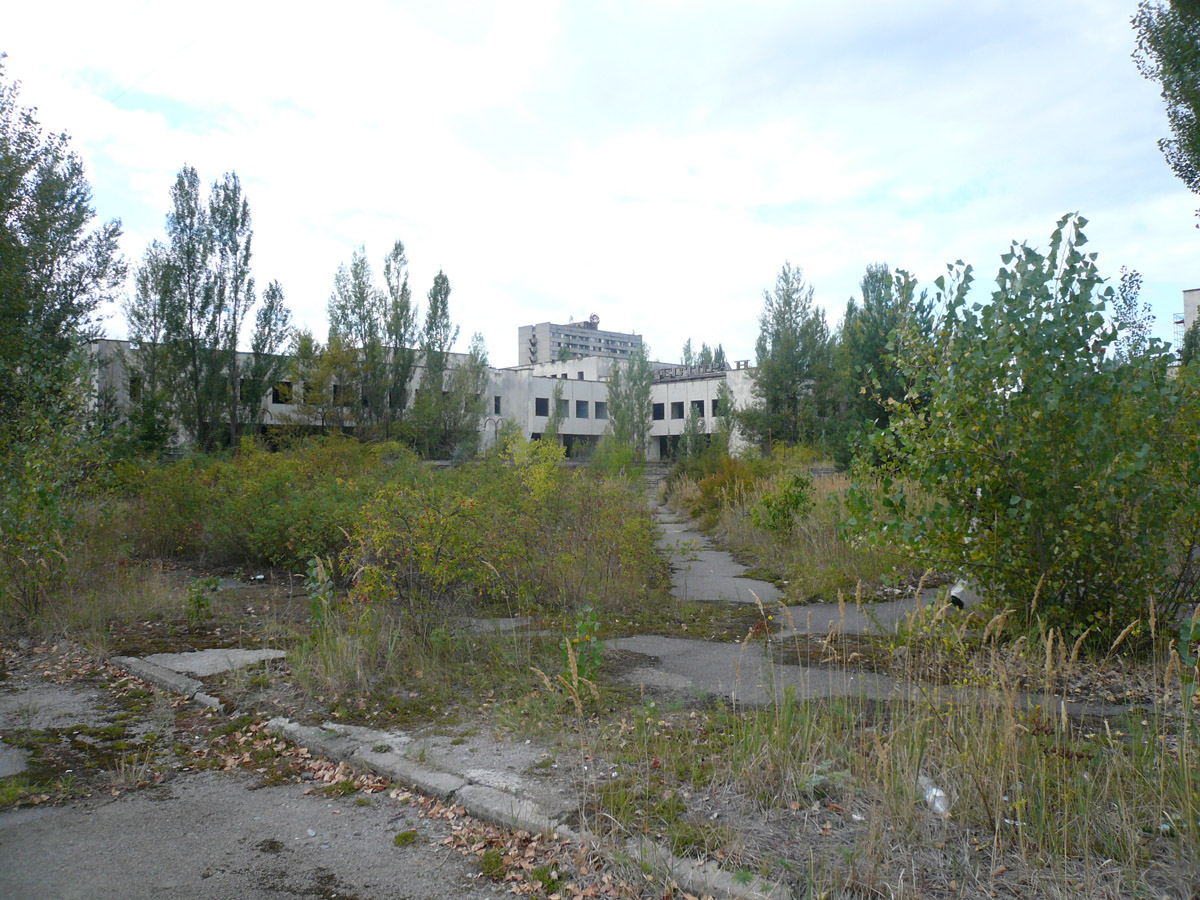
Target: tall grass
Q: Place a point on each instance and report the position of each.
(813, 555)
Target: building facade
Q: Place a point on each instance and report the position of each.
(523, 395)
(546, 341)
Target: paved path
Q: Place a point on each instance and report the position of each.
(742, 673)
(701, 572)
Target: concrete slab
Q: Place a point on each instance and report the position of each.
(742, 673)
(42, 706)
(213, 662)
(13, 760)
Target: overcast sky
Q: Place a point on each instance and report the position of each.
(651, 162)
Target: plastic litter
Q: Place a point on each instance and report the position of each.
(935, 797)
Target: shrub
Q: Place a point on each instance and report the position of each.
(1047, 465)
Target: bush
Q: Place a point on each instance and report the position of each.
(1046, 465)
(264, 508)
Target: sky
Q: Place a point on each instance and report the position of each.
(653, 162)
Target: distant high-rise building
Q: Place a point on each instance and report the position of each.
(1191, 300)
(545, 341)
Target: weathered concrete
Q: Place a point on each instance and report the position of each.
(485, 793)
(13, 760)
(702, 879)
(213, 662)
(213, 836)
(742, 673)
(159, 676)
(702, 573)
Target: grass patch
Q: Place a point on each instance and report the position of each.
(406, 838)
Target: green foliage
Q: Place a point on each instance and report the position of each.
(200, 595)
(318, 584)
(1168, 52)
(629, 407)
(55, 272)
(778, 509)
(794, 365)
(259, 507)
(876, 333)
(194, 297)
(514, 528)
(586, 645)
(1044, 465)
(55, 268)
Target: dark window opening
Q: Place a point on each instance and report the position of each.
(601, 409)
(580, 376)
(657, 412)
(496, 405)
(564, 408)
(677, 409)
(698, 408)
(581, 409)
(541, 406)
(282, 393)
(716, 407)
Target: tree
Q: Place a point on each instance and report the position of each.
(1189, 350)
(193, 320)
(434, 406)
(56, 267)
(876, 333)
(232, 285)
(357, 312)
(272, 331)
(688, 356)
(794, 364)
(557, 415)
(1133, 320)
(401, 333)
(147, 318)
(1168, 51)
(1042, 465)
(199, 288)
(629, 406)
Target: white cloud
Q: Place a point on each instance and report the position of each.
(654, 163)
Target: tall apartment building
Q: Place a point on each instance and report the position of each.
(1191, 305)
(543, 342)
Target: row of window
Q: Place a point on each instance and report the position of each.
(658, 412)
(541, 407)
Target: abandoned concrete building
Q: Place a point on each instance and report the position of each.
(521, 394)
(547, 341)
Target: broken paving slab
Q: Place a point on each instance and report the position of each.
(213, 662)
(13, 760)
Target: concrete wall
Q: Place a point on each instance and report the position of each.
(512, 395)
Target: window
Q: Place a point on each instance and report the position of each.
(677, 409)
(716, 407)
(601, 409)
(657, 412)
(581, 411)
(282, 393)
(496, 405)
(698, 408)
(564, 408)
(541, 406)
(579, 376)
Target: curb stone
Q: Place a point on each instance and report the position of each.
(702, 879)
(347, 742)
(160, 677)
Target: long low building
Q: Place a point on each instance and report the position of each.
(523, 395)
